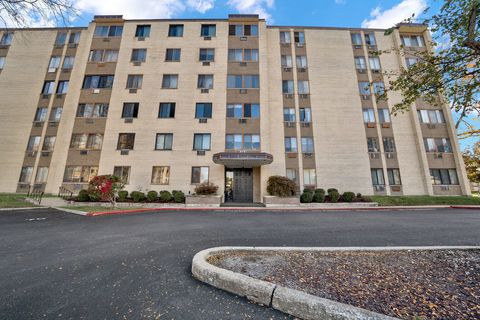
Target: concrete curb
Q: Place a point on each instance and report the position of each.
(23, 208)
(82, 213)
(296, 303)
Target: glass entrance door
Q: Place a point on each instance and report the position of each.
(239, 185)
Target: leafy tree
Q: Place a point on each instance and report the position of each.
(472, 163)
(106, 188)
(452, 72)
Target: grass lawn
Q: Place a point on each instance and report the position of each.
(425, 200)
(99, 208)
(14, 200)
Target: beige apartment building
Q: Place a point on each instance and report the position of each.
(168, 104)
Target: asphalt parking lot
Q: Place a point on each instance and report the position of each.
(56, 265)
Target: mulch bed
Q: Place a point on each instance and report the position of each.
(408, 284)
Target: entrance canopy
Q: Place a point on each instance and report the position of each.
(242, 159)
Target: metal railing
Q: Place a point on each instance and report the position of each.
(35, 195)
(64, 193)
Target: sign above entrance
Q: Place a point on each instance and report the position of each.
(242, 159)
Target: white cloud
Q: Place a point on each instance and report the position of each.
(201, 6)
(388, 18)
(259, 7)
(340, 1)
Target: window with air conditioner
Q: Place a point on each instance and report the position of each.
(206, 55)
(290, 144)
(142, 31)
(208, 30)
(307, 145)
(372, 144)
(139, 55)
(130, 110)
(80, 174)
(134, 81)
(377, 177)
(203, 110)
(175, 30)
(389, 144)
(173, 55)
(164, 141)
(166, 110)
(201, 141)
(444, 176)
(205, 81)
(394, 177)
(286, 61)
(126, 141)
(98, 82)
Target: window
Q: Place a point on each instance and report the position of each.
(413, 41)
(7, 38)
(160, 175)
(54, 63)
(205, 81)
(360, 63)
(302, 62)
(108, 31)
(48, 87)
(377, 177)
(394, 177)
(247, 110)
(234, 111)
(208, 30)
(175, 30)
(139, 55)
(164, 141)
(49, 143)
(364, 88)
(285, 37)
(86, 141)
(203, 110)
(134, 81)
(68, 62)
(240, 30)
(289, 114)
(410, 61)
(287, 86)
(82, 174)
(170, 81)
(307, 145)
(172, 55)
(431, 116)
(303, 87)
(437, 145)
(368, 116)
(378, 88)
(444, 176)
(61, 38)
(110, 56)
(292, 174)
(123, 173)
(384, 115)
(250, 55)
(56, 114)
(42, 174)
(2, 62)
(299, 37)
(245, 81)
(62, 87)
(199, 174)
(309, 177)
(251, 142)
(356, 39)
(370, 39)
(201, 141)
(74, 38)
(98, 82)
(207, 54)
(95, 56)
(247, 142)
(290, 144)
(286, 61)
(142, 31)
(89, 110)
(374, 63)
(235, 55)
(25, 175)
(372, 144)
(233, 141)
(166, 110)
(130, 110)
(33, 143)
(389, 144)
(40, 115)
(305, 115)
(126, 141)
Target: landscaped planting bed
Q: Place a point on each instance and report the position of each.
(408, 284)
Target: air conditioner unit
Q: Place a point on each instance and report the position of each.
(52, 124)
(45, 96)
(128, 120)
(438, 155)
(89, 120)
(386, 125)
(303, 96)
(124, 152)
(31, 153)
(379, 188)
(390, 155)
(132, 90)
(100, 64)
(365, 97)
(242, 120)
(357, 46)
(371, 125)
(373, 47)
(306, 124)
(207, 38)
(83, 152)
(38, 124)
(205, 63)
(396, 188)
(140, 38)
(243, 64)
(374, 155)
(45, 153)
(202, 120)
(288, 95)
(72, 45)
(204, 90)
(308, 154)
(96, 91)
(285, 44)
(287, 69)
(59, 95)
(51, 70)
(445, 188)
(302, 69)
(137, 63)
(200, 152)
(243, 38)
(291, 154)
(431, 126)
(290, 124)
(67, 70)
(299, 45)
(243, 91)
(58, 46)
(362, 70)
(375, 71)
(106, 40)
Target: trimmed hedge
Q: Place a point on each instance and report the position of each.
(334, 196)
(152, 195)
(281, 186)
(306, 197)
(83, 196)
(331, 190)
(137, 196)
(206, 188)
(165, 196)
(319, 197)
(348, 196)
(122, 195)
(178, 196)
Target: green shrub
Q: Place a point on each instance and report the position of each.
(165, 196)
(334, 196)
(137, 196)
(330, 190)
(83, 196)
(152, 195)
(122, 195)
(320, 190)
(319, 197)
(281, 186)
(178, 196)
(309, 190)
(206, 188)
(359, 195)
(94, 196)
(348, 196)
(306, 197)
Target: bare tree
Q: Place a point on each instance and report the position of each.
(21, 13)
